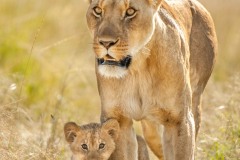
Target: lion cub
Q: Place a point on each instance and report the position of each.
(94, 141)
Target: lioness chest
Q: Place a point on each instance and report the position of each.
(140, 96)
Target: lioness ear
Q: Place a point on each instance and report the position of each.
(155, 3)
(70, 131)
(112, 127)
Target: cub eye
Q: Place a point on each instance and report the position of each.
(131, 12)
(101, 145)
(84, 147)
(97, 11)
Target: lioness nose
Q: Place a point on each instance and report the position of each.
(107, 44)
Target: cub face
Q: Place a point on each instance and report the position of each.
(120, 30)
(92, 141)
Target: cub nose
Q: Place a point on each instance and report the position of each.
(107, 44)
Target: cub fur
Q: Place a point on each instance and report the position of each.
(94, 141)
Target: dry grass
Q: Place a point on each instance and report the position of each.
(47, 78)
(219, 137)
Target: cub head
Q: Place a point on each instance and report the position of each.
(92, 141)
(120, 29)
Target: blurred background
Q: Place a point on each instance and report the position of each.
(47, 78)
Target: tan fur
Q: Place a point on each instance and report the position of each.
(172, 45)
(94, 134)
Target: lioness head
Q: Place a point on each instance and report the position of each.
(120, 30)
(92, 141)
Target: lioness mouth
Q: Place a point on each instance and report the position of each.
(125, 62)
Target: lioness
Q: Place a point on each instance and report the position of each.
(94, 141)
(153, 61)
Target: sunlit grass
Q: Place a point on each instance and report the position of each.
(219, 137)
(47, 78)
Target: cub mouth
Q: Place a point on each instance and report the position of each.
(125, 62)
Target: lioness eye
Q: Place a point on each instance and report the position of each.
(101, 145)
(130, 12)
(84, 147)
(97, 11)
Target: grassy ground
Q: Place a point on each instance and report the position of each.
(47, 78)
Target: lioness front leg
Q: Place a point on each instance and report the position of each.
(152, 135)
(126, 143)
(179, 139)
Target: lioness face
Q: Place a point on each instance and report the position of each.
(120, 30)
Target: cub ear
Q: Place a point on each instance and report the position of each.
(70, 131)
(112, 127)
(155, 3)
